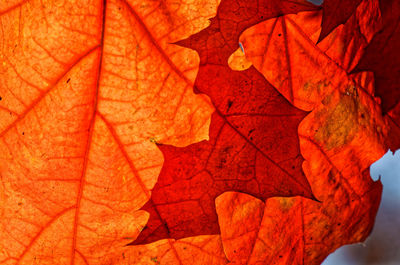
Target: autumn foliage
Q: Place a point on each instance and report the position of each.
(193, 132)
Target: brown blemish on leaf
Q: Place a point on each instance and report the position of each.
(316, 86)
(339, 126)
(327, 99)
(155, 260)
(286, 203)
(341, 122)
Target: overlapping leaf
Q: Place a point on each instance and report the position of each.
(86, 88)
(345, 116)
(247, 152)
(382, 56)
(335, 13)
(253, 145)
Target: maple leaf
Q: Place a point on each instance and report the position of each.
(344, 117)
(247, 152)
(336, 12)
(346, 45)
(382, 56)
(86, 89)
(299, 76)
(287, 230)
(264, 159)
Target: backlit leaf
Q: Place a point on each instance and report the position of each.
(86, 88)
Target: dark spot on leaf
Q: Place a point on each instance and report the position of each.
(23, 133)
(280, 256)
(279, 34)
(222, 163)
(69, 79)
(155, 260)
(1, 98)
(230, 102)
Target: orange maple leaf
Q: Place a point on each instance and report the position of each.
(87, 88)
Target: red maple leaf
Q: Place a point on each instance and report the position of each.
(253, 148)
(254, 142)
(326, 133)
(382, 56)
(344, 117)
(87, 89)
(336, 12)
